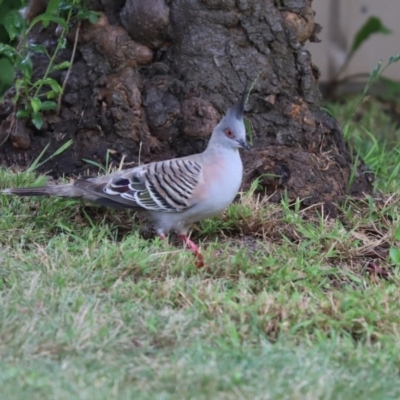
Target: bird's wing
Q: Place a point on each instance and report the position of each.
(166, 186)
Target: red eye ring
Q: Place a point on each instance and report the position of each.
(229, 133)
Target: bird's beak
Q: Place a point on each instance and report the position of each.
(244, 145)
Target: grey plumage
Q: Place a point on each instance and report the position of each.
(173, 193)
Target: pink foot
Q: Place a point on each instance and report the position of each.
(195, 249)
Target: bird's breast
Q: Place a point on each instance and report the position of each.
(223, 178)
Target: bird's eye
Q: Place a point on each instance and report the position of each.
(229, 133)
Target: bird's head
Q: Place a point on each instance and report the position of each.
(231, 132)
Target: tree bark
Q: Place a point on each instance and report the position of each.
(151, 79)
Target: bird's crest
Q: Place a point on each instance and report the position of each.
(238, 109)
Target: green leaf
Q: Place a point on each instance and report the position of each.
(26, 67)
(394, 59)
(14, 23)
(375, 71)
(36, 105)
(397, 234)
(65, 5)
(49, 105)
(394, 254)
(372, 25)
(96, 164)
(52, 6)
(249, 130)
(51, 94)
(8, 51)
(7, 71)
(55, 86)
(45, 19)
(372, 78)
(37, 48)
(38, 158)
(18, 86)
(37, 120)
(22, 114)
(60, 150)
(91, 16)
(63, 65)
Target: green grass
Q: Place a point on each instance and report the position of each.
(374, 136)
(296, 305)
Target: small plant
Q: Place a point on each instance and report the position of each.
(394, 252)
(375, 75)
(371, 27)
(37, 163)
(33, 97)
(107, 168)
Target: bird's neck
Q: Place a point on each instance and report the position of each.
(215, 147)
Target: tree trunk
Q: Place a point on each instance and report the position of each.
(151, 79)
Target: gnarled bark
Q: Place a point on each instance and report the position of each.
(155, 77)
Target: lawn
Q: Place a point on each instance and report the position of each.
(295, 305)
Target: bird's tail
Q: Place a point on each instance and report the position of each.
(68, 190)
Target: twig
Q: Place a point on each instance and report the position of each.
(12, 123)
(70, 67)
(7, 135)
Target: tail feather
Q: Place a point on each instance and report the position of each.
(68, 190)
(39, 191)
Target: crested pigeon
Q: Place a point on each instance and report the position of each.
(173, 193)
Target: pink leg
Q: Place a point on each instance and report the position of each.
(195, 249)
(162, 236)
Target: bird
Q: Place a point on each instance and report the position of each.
(173, 194)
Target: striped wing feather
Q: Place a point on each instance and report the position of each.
(166, 186)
